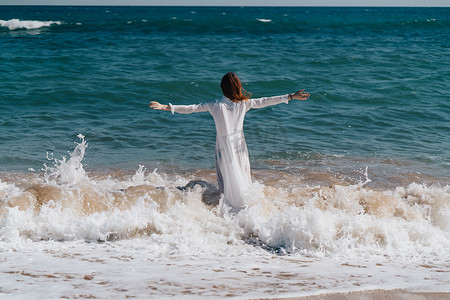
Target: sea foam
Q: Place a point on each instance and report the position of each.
(68, 203)
(14, 24)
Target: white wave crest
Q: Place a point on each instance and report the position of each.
(265, 20)
(14, 24)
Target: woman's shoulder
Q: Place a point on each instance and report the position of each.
(222, 100)
(231, 102)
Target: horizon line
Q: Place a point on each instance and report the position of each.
(202, 5)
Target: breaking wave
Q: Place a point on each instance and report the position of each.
(68, 203)
(14, 24)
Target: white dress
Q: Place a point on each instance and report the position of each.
(232, 161)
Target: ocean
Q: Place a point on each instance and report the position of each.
(351, 187)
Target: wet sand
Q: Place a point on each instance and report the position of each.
(375, 295)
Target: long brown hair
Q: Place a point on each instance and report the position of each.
(232, 88)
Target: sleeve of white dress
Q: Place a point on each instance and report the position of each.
(267, 101)
(188, 109)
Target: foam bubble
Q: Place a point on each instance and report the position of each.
(14, 24)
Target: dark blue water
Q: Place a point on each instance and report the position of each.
(378, 79)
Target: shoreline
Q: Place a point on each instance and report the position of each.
(372, 295)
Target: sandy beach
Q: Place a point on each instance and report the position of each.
(376, 295)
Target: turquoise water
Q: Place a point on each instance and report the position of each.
(378, 79)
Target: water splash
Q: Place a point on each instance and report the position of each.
(67, 171)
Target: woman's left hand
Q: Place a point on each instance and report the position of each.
(158, 106)
(300, 95)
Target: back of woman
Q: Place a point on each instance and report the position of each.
(228, 116)
(232, 161)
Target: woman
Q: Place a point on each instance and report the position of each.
(232, 162)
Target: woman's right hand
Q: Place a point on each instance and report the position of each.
(300, 95)
(158, 106)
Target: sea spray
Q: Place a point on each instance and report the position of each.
(67, 171)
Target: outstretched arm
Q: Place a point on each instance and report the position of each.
(182, 109)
